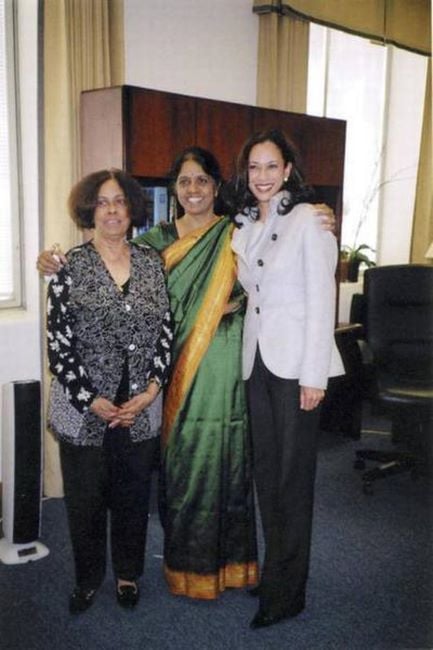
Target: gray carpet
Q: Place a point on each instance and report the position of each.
(370, 585)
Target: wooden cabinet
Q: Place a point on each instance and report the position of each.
(156, 129)
(223, 127)
(134, 129)
(141, 130)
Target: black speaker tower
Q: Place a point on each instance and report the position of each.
(21, 472)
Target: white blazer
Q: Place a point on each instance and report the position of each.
(287, 267)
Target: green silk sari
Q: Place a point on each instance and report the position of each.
(206, 494)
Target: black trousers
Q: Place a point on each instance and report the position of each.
(284, 449)
(113, 478)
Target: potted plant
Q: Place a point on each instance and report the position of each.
(351, 259)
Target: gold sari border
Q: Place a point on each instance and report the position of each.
(174, 253)
(208, 318)
(209, 587)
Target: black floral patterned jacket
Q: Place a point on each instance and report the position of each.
(95, 330)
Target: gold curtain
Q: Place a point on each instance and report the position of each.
(422, 229)
(282, 63)
(405, 23)
(83, 49)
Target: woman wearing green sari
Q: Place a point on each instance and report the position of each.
(206, 486)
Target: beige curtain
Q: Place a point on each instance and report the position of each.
(405, 23)
(83, 49)
(422, 229)
(282, 63)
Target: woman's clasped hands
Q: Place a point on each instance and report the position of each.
(124, 414)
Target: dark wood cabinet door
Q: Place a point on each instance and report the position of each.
(223, 127)
(324, 150)
(158, 126)
(292, 125)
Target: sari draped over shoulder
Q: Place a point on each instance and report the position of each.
(206, 486)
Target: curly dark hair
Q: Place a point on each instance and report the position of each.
(83, 196)
(210, 166)
(238, 196)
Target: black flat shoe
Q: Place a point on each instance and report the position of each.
(80, 600)
(265, 618)
(128, 595)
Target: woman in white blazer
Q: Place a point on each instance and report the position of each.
(286, 264)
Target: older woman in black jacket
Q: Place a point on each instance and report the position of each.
(109, 333)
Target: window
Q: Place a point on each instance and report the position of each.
(379, 91)
(347, 81)
(10, 282)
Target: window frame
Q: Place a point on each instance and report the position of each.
(13, 153)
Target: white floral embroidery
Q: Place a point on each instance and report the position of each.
(57, 289)
(63, 339)
(84, 395)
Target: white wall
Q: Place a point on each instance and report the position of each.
(206, 48)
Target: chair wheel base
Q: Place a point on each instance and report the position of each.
(390, 463)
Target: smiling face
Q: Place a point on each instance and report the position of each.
(195, 190)
(111, 213)
(266, 172)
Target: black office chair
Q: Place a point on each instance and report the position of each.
(398, 320)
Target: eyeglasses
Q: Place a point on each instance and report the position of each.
(118, 202)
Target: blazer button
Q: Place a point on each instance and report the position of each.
(274, 237)
(257, 310)
(257, 287)
(131, 347)
(260, 262)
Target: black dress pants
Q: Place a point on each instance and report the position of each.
(284, 451)
(113, 478)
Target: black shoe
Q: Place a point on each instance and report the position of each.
(254, 591)
(264, 618)
(128, 595)
(80, 600)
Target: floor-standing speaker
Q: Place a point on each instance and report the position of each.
(21, 472)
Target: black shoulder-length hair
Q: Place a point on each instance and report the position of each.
(209, 164)
(83, 197)
(239, 197)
